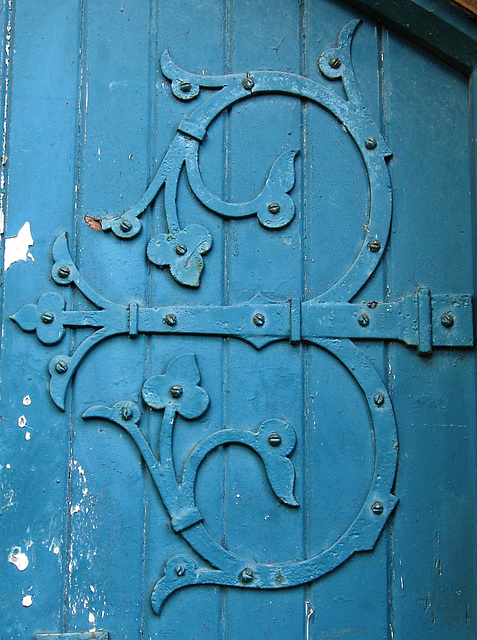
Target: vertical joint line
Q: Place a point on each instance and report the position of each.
(424, 315)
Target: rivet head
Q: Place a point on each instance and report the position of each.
(180, 571)
(61, 366)
(47, 317)
(125, 226)
(334, 62)
(274, 207)
(274, 440)
(176, 391)
(363, 319)
(171, 319)
(246, 576)
(377, 508)
(248, 83)
(185, 86)
(126, 413)
(379, 399)
(181, 249)
(374, 246)
(370, 143)
(259, 319)
(447, 320)
(64, 272)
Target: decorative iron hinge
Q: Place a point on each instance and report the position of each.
(421, 320)
(330, 322)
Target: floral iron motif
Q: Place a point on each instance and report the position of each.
(415, 320)
(328, 322)
(177, 392)
(182, 250)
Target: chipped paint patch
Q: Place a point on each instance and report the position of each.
(27, 601)
(22, 422)
(27, 401)
(19, 559)
(17, 247)
(27, 435)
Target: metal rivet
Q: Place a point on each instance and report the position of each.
(334, 62)
(185, 86)
(370, 143)
(248, 83)
(274, 440)
(374, 246)
(126, 413)
(61, 366)
(181, 249)
(259, 319)
(363, 319)
(377, 508)
(379, 399)
(447, 320)
(171, 319)
(180, 570)
(176, 391)
(125, 226)
(64, 272)
(246, 576)
(47, 317)
(274, 207)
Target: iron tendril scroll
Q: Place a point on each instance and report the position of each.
(183, 249)
(328, 322)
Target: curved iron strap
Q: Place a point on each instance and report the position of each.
(273, 442)
(273, 206)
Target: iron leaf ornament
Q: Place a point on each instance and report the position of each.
(330, 322)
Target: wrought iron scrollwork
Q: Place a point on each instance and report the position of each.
(177, 392)
(329, 322)
(183, 249)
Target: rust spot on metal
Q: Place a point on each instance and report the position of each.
(93, 223)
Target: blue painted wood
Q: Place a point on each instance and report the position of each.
(102, 537)
(41, 149)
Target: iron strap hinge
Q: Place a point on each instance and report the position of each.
(421, 320)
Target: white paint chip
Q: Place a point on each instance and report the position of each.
(19, 559)
(17, 247)
(56, 550)
(27, 601)
(27, 435)
(22, 422)
(91, 618)
(27, 401)
(8, 466)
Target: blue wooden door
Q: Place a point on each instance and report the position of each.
(238, 376)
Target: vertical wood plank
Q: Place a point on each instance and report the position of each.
(42, 58)
(352, 599)
(194, 34)
(432, 586)
(267, 383)
(105, 588)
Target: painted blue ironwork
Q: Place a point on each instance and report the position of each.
(329, 322)
(414, 320)
(177, 393)
(182, 249)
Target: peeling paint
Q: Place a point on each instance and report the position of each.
(17, 247)
(22, 422)
(27, 601)
(27, 401)
(19, 559)
(27, 435)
